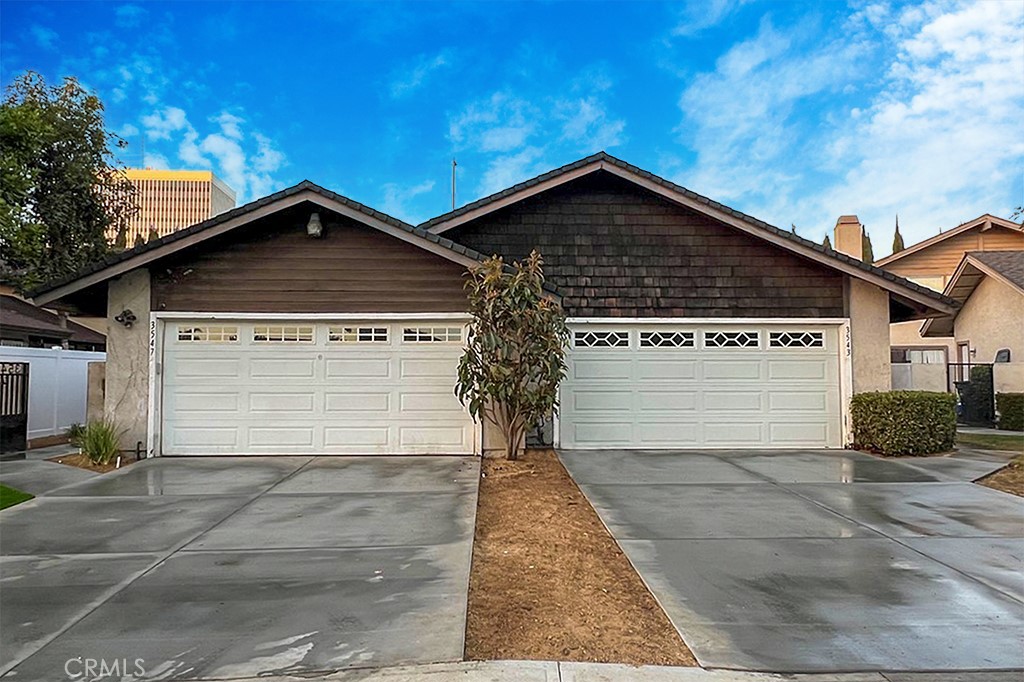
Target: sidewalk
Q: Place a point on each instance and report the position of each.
(553, 671)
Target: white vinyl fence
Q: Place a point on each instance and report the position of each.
(57, 388)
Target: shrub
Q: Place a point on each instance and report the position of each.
(74, 434)
(1011, 411)
(100, 441)
(904, 422)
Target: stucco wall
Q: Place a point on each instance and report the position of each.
(991, 319)
(1008, 377)
(126, 400)
(869, 336)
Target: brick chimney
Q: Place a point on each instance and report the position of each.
(849, 236)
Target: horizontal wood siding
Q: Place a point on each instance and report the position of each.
(940, 259)
(272, 266)
(616, 250)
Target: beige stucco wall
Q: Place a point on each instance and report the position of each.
(919, 377)
(96, 384)
(992, 318)
(126, 400)
(908, 335)
(1008, 377)
(869, 336)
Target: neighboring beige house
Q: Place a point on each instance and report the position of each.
(920, 362)
(990, 325)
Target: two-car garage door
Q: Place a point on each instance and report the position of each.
(274, 387)
(702, 385)
(386, 387)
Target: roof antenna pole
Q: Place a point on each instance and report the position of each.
(453, 183)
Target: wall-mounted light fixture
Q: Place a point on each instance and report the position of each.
(314, 228)
(126, 317)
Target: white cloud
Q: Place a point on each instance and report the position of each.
(128, 16)
(499, 123)
(397, 196)
(155, 160)
(229, 124)
(507, 170)
(586, 123)
(45, 38)
(246, 161)
(160, 124)
(412, 78)
(128, 131)
(698, 15)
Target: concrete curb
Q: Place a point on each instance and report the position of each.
(555, 671)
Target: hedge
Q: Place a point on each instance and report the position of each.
(1011, 411)
(904, 422)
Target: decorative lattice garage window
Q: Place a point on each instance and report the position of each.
(796, 339)
(357, 335)
(207, 334)
(732, 339)
(432, 334)
(666, 339)
(282, 334)
(600, 339)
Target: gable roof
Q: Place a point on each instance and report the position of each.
(1005, 266)
(786, 239)
(130, 259)
(20, 315)
(985, 222)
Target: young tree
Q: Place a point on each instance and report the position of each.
(869, 252)
(897, 239)
(515, 350)
(60, 187)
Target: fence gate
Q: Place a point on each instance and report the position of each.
(973, 386)
(13, 406)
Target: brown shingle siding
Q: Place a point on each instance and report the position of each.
(616, 250)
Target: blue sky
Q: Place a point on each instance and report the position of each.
(792, 112)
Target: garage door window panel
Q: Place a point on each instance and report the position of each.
(800, 339)
(282, 334)
(432, 335)
(600, 339)
(207, 334)
(357, 335)
(666, 339)
(737, 339)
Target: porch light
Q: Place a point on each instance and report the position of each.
(314, 228)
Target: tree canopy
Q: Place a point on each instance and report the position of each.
(897, 239)
(61, 187)
(869, 252)
(515, 350)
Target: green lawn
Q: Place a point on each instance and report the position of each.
(991, 441)
(10, 497)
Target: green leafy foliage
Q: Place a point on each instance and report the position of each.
(515, 350)
(868, 250)
(60, 188)
(100, 441)
(904, 422)
(74, 434)
(897, 240)
(1011, 411)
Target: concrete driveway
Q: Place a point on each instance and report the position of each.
(228, 567)
(820, 561)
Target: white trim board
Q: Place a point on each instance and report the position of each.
(706, 320)
(177, 315)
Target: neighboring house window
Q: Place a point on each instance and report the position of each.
(666, 339)
(282, 334)
(587, 339)
(358, 335)
(732, 339)
(918, 356)
(1003, 355)
(432, 334)
(796, 339)
(208, 334)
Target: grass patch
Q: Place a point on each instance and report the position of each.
(1009, 480)
(991, 441)
(10, 497)
(549, 583)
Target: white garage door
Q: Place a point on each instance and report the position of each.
(667, 386)
(244, 387)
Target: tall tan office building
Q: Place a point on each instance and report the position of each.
(170, 200)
